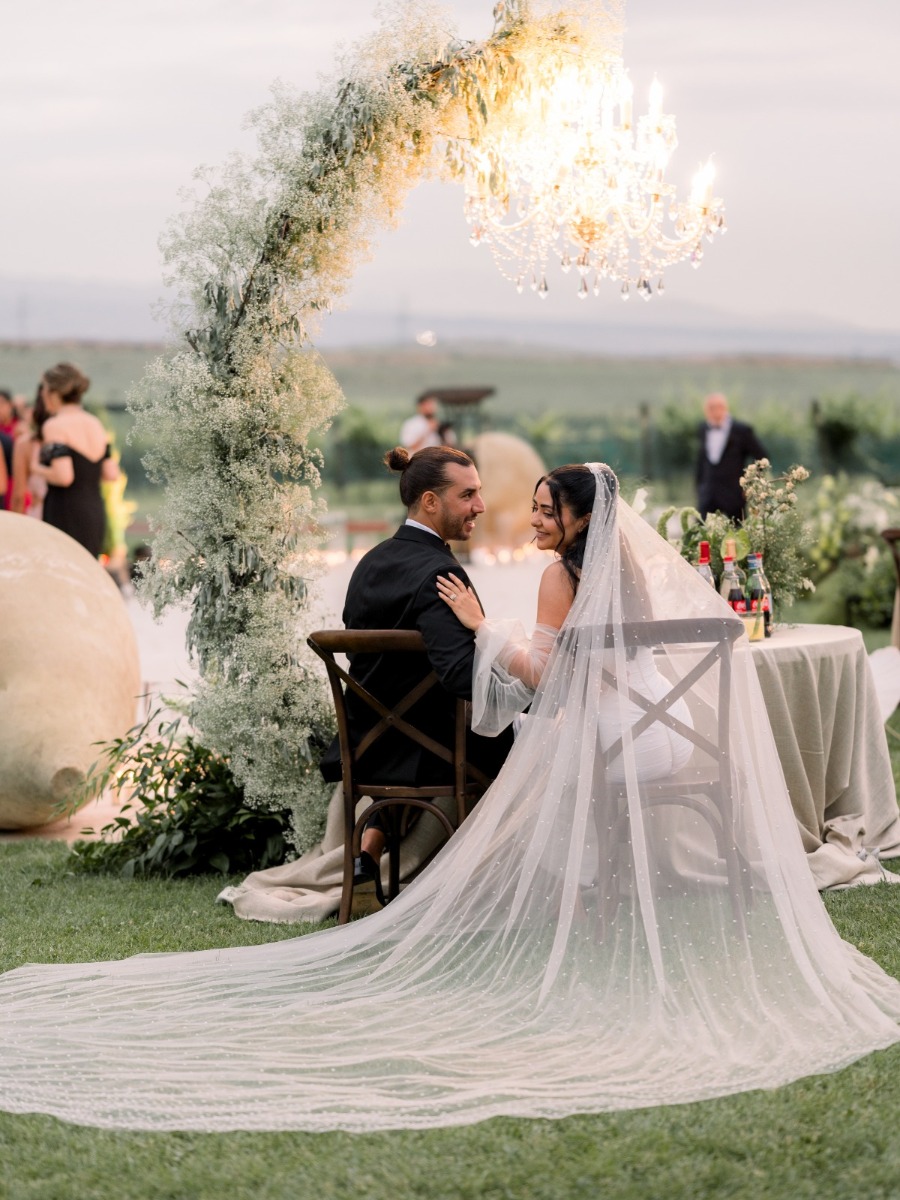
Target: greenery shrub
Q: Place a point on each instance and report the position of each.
(185, 814)
(676, 437)
(841, 423)
(851, 564)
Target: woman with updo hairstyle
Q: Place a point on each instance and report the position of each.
(74, 459)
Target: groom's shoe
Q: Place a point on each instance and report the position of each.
(365, 870)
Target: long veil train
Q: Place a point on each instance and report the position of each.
(590, 940)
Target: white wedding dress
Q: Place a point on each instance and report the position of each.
(577, 947)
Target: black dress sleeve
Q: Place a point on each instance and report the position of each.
(53, 450)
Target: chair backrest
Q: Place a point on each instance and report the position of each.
(327, 643)
(716, 633)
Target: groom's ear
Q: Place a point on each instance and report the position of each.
(428, 501)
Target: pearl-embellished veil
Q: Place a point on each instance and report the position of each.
(597, 936)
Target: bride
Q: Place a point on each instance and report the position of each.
(509, 666)
(627, 918)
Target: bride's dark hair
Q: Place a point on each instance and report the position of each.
(574, 487)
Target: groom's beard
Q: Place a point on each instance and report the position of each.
(457, 528)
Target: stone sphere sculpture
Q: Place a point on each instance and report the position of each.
(69, 668)
(509, 468)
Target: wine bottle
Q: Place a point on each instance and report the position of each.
(768, 606)
(730, 587)
(703, 568)
(756, 600)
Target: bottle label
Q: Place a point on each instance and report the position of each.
(739, 606)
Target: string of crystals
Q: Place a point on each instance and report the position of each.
(561, 170)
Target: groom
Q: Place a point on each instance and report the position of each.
(395, 587)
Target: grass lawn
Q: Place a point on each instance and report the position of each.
(827, 1137)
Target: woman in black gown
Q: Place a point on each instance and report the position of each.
(74, 459)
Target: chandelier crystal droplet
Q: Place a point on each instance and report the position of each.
(560, 172)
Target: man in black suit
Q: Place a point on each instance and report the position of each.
(395, 587)
(726, 446)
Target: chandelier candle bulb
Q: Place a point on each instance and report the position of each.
(702, 191)
(626, 101)
(656, 95)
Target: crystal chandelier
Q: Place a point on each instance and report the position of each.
(560, 169)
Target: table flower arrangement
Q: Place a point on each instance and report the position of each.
(773, 527)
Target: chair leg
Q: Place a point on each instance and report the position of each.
(347, 884)
(346, 907)
(395, 822)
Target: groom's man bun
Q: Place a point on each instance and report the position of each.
(424, 471)
(397, 459)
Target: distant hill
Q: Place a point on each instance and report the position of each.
(529, 381)
(109, 312)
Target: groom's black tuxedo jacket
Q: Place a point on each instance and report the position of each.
(394, 587)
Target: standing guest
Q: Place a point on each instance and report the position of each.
(5, 457)
(29, 489)
(421, 430)
(726, 446)
(7, 437)
(74, 459)
(8, 414)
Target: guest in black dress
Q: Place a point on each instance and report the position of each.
(74, 459)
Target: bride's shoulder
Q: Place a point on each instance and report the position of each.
(555, 595)
(555, 575)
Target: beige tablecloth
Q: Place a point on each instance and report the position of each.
(821, 701)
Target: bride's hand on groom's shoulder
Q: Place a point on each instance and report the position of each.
(462, 600)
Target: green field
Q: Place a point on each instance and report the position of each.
(385, 381)
(636, 414)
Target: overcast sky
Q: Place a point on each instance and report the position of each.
(106, 108)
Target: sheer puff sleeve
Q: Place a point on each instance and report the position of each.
(508, 668)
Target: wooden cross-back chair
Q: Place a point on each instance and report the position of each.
(709, 794)
(395, 801)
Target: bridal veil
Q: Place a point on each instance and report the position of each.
(598, 935)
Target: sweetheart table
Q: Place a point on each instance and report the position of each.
(820, 697)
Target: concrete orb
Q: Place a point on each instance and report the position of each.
(509, 468)
(69, 668)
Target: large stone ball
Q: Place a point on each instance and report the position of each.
(509, 468)
(69, 668)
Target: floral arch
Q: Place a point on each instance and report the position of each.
(259, 259)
